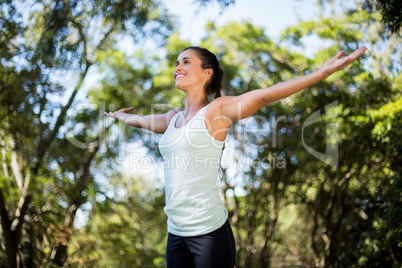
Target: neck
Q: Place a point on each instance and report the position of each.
(195, 101)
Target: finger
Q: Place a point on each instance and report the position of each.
(125, 110)
(352, 57)
(357, 53)
(340, 54)
(111, 114)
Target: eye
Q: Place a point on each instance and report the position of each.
(186, 61)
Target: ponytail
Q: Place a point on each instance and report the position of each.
(218, 83)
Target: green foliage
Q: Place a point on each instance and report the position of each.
(50, 144)
(287, 207)
(339, 207)
(390, 11)
(125, 230)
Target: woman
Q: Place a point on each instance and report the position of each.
(192, 143)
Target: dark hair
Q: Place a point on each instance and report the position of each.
(209, 61)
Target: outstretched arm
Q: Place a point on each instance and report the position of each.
(243, 106)
(157, 123)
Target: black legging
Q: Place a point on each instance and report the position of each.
(213, 250)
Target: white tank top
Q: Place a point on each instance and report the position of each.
(191, 165)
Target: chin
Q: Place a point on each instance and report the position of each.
(179, 86)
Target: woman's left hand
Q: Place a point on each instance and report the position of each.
(339, 62)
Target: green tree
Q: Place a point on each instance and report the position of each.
(47, 51)
(390, 11)
(345, 203)
(126, 229)
(287, 207)
(340, 204)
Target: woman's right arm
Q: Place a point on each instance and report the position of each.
(157, 123)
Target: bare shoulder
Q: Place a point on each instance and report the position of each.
(216, 105)
(222, 99)
(215, 115)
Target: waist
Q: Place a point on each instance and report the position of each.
(195, 222)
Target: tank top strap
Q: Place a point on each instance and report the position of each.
(174, 119)
(202, 111)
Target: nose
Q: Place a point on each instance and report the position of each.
(178, 68)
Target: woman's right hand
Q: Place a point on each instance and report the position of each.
(157, 123)
(116, 113)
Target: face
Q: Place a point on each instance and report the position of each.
(188, 72)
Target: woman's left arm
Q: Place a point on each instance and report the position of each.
(245, 105)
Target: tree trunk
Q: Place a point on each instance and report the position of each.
(77, 200)
(61, 255)
(12, 230)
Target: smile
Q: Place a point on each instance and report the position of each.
(177, 76)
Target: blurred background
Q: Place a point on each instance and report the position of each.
(313, 180)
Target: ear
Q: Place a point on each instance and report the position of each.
(208, 72)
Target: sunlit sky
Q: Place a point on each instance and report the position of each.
(273, 15)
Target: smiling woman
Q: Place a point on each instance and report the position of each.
(199, 231)
(210, 65)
